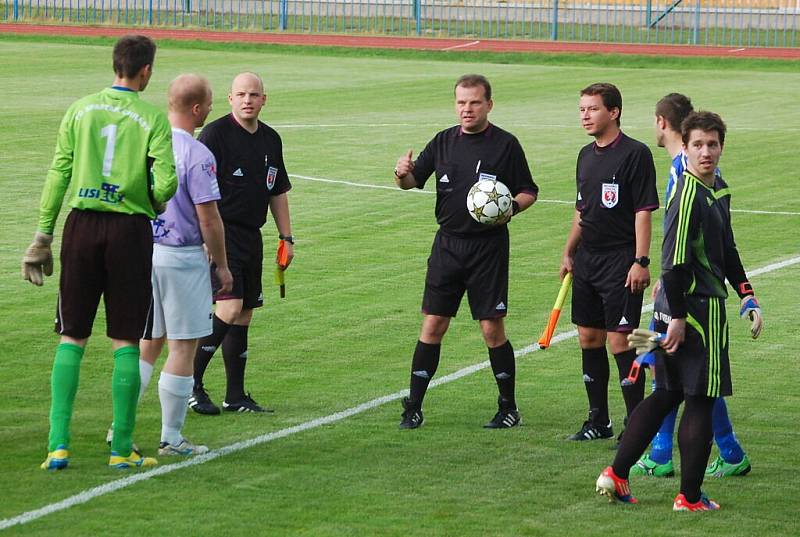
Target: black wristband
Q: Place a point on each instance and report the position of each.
(287, 238)
(514, 207)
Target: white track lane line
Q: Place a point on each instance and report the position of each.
(462, 45)
(118, 484)
(418, 191)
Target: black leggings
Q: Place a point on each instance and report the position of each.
(694, 436)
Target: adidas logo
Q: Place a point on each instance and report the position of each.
(710, 202)
(421, 374)
(209, 348)
(500, 306)
(623, 321)
(444, 179)
(587, 378)
(238, 173)
(510, 420)
(502, 376)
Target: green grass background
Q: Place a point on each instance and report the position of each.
(346, 330)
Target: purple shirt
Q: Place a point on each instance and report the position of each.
(197, 183)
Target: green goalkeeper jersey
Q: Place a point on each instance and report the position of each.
(117, 151)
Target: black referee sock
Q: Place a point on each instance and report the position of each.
(694, 442)
(206, 348)
(595, 379)
(423, 367)
(234, 353)
(634, 393)
(504, 368)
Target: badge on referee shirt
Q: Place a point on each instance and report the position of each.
(610, 195)
(272, 174)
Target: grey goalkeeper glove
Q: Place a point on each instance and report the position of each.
(750, 309)
(644, 340)
(38, 259)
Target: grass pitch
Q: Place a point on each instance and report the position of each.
(345, 333)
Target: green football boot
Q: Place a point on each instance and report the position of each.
(647, 466)
(720, 468)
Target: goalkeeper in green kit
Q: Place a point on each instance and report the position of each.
(116, 152)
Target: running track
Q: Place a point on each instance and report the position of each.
(414, 43)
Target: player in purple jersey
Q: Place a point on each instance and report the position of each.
(181, 282)
(671, 110)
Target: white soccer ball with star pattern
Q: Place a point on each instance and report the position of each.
(489, 202)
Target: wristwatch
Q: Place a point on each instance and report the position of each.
(287, 238)
(644, 261)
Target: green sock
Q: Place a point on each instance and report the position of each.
(63, 387)
(125, 383)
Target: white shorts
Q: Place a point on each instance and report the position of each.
(181, 292)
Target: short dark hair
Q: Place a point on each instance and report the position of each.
(470, 81)
(131, 53)
(704, 121)
(674, 107)
(612, 98)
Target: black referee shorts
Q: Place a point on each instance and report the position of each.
(701, 365)
(599, 296)
(245, 250)
(477, 265)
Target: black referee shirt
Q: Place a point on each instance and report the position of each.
(614, 183)
(250, 169)
(459, 160)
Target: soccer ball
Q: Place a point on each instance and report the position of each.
(489, 202)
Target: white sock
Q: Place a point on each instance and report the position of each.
(145, 372)
(174, 392)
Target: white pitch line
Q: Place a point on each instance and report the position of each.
(787, 213)
(562, 202)
(384, 187)
(112, 486)
(510, 125)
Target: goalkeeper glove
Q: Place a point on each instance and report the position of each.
(38, 259)
(752, 311)
(644, 340)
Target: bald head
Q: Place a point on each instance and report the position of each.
(186, 91)
(247, 98)
(247, 79)
(189, 98)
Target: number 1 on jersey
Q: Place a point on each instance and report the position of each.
(110, 132)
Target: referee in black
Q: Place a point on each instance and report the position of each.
(698, 254)
(607, 250)
(252, 179)
(467, 256)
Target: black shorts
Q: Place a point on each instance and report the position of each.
(599, 296)
(108, 254)
(701, 365)
(477, 265)
(245, 250)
